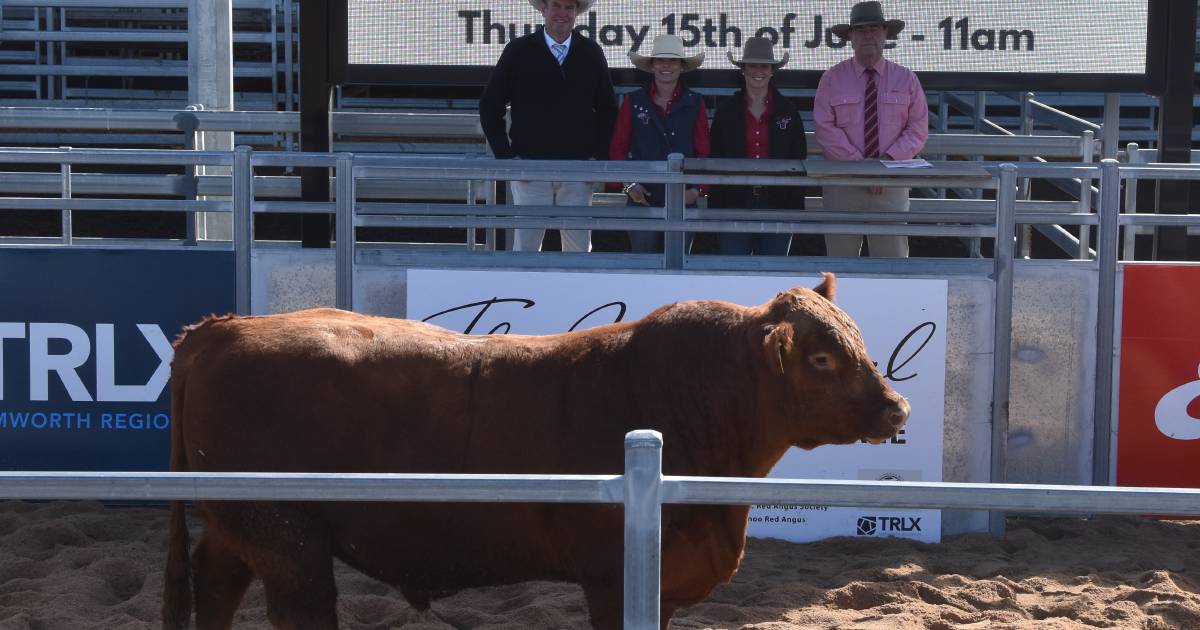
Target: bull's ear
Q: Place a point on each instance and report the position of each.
(776, 343)
(828, 286)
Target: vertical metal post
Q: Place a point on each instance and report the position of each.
(289, 45)
(1024, 186)
(345, 192)
(289, 42)
(643, 529)
(274, 20)
(51, 47)
(470, 202)
(62, 51)
(1111, 129)
(1026, 114)
(980, 109)
(1129, 247)
(943, 113)
(489, 236)
(980, 116)
(1085, 193)
(673, 241)
(210, 84)
(243, 223)
(1106, 300)
(67, 228)
(187, 123)
(1002, 275)
(37, 55)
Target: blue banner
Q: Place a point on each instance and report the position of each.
(85, 349)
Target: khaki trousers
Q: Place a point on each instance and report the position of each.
(551, 194)
(855, 199)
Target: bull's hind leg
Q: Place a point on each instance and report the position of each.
(305, 600)
(220, 579)
(301, 593)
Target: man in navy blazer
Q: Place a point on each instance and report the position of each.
(563, 107)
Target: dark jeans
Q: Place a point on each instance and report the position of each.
(746, 243)
(652, 242)
(743, 243)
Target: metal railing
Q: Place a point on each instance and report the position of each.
(642, 489)
(50, 26)
(352, 213)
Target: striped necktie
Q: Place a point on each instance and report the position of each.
(560, 52)
(871, 118)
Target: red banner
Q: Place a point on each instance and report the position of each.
(1158, 440)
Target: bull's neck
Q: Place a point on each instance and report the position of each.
(700, 382)
(732, 441)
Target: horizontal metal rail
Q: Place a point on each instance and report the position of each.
(492, 488)
(123, 205)
(127, 69)
(660, 225)
(142, 157)
(162, 486)
(132, 4)
(448, 126)
(1057, 499)
(128, 36)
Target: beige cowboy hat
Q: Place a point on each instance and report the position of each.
(581, 6)
(758, 50)
(865, 13)
(666, 47)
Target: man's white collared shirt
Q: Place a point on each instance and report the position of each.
(558, 50)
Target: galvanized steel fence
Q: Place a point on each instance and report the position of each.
(643, 489)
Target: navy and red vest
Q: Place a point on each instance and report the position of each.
(653, 138)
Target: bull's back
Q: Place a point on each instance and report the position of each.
(326, 390)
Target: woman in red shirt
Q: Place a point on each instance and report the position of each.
(662, 118)
(757, 122)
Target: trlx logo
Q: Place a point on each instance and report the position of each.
(1171, 414)
(78, 349)
(871, 525)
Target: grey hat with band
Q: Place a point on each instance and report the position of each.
(667, 47)
(865, 14)
(758, 50)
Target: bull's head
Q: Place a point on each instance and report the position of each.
(832, 392)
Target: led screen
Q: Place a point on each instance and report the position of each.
(1060, 37)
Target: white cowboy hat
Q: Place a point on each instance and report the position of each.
(581, 6)
(865, 13)
(758, 50)
(666, 47)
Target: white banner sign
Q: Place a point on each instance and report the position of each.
(1019, 36)
(903, 323)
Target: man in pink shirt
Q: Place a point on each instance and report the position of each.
(868, 108)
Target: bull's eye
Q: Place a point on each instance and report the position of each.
(821, 361)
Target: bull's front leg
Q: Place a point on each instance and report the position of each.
(605, 605)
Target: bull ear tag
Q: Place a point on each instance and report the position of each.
(778, 341)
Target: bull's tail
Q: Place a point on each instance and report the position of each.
(177, 589)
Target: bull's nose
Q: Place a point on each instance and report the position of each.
(898, 414)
